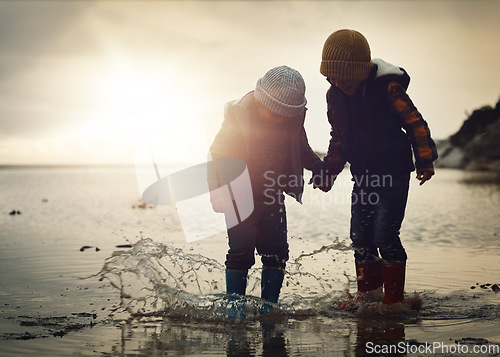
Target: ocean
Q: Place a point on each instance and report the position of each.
(87, 269)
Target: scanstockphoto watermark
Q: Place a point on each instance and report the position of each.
(192, 191)
(338, 195)
(431, 348)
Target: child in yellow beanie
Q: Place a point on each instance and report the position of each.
(368, 108)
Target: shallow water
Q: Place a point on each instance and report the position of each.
(57, 300)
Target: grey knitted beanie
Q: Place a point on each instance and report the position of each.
(282, 91)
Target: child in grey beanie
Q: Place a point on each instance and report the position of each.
(265, 129)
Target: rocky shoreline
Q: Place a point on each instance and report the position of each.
(476, 146)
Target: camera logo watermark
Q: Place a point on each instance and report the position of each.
(192, 190)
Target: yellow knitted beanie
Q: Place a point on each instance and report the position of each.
(346, 56)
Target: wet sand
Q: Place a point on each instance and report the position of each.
(54, 302)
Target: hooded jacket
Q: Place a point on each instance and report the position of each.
(367, 127)
(235, 140)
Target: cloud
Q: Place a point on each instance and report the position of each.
(58, 59)
(38, 41)
(43, 28)
(48, 95)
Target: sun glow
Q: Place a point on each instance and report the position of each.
(137, 99)
(146, 103)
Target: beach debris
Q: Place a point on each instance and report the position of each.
(14, 212)
(85, 247)
(142, 205)
(26, 336)
(123, 246)
(84, 314)
(69, 328)
(57, 326)
(473, 341)
(44, 200)
(488, 286)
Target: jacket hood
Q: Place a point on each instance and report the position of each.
(239, 111)
(386, 71)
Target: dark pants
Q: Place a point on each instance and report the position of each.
(265, 230)
(377, 211)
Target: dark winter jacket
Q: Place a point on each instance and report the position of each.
(239, 138)
(367, 126)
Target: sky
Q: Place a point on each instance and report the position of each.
(96, 82)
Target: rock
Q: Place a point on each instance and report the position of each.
(449, 156)
(476, 146)
(476, 124)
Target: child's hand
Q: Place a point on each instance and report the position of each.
(221, 204)
(324, 180)
(424, 175)
(324, 187)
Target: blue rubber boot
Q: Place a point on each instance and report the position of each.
(272, 279)
(236, 284)
(236, 281)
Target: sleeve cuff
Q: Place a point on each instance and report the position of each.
(425, 167)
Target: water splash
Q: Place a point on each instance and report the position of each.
(160, 280)
(153, 277)
(157, 279)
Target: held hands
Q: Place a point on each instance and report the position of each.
(424, 175)
(323, 180)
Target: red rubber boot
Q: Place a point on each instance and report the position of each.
(394, 283)
(369, 279)
(369, 276)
